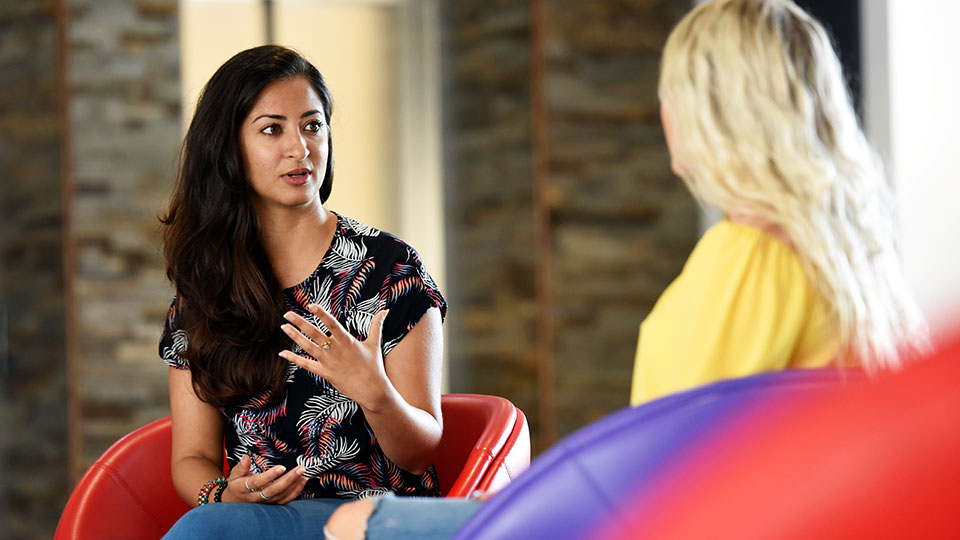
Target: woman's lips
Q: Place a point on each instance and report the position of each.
(297, 177)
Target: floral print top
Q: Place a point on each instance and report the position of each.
(363, 271)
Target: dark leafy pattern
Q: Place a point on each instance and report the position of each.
(314, 425)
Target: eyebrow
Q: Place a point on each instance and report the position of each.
(281, 117)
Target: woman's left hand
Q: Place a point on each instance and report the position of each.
(355, 368)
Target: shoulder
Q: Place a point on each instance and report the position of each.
(380, 245)
(737, 308)
(738, 271)
(173, 339)
(730, 251)
(738, 280)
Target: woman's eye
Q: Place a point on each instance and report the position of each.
(313, 126)
(272, 129)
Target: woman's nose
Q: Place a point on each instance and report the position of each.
(297, 146)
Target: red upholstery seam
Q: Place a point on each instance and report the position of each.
(484, 452)
(129, 491)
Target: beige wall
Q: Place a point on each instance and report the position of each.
(210, 33)
(353, 46)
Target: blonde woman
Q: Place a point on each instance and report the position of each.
(804, 270)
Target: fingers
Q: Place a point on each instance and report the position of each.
(242, 468)
(327, 353)
(309, 364)
(310, 345)
(300, 328)
(242, 486)
(337, 331)
(293, 488)
(376, 326)
(277, 485)
(259, 481)
(282, 489)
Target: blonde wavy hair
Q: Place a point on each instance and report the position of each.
(765, 128)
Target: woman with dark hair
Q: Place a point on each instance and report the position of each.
(304, 346)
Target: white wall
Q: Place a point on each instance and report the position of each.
(912, 98)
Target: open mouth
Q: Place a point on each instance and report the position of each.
(298, 174)
(297, 177)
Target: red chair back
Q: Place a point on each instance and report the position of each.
(128, 493)
(512, 460)
(483, 436)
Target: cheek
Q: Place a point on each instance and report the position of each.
(321, 151)
(667, 123)
(247, 155)
(257, 159)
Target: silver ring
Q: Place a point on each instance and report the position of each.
(262, 498)
(246, 485)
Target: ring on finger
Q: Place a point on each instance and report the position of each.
(326, 344)
(246, 485)
(262, 497)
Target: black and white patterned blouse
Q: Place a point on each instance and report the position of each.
(363, 271)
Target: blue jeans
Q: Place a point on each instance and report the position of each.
(408, 518)
(235, 521)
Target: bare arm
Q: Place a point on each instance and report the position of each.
(399, 395)
(197, 453)
(408, 422)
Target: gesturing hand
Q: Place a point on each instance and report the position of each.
(354, 368)
(273, 486)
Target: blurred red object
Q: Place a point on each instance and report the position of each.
(875, 461)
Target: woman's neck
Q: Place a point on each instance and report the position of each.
(764, 225)
(295, 240)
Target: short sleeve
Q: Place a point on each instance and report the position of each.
(739, 307)
(408, 292)
(173, 340)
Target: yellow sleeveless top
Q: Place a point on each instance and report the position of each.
(742, 305)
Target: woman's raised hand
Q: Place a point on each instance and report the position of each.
(354, 368)
(273, 486)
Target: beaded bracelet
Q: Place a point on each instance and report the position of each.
(218, 494)
(208, 487)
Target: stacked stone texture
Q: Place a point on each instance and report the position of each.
(491, 261)
(125, 133)
(33, 419)
(620, 224)
(123, 130)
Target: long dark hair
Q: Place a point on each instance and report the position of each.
(230, 301)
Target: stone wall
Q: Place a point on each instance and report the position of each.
(33, 384)
(489, 200)
(620, 225)
(89, 133)
(125, 133)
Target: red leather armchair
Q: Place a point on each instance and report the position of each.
(485, 444)
(127, 493)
